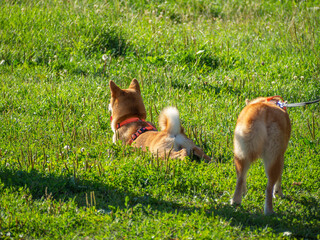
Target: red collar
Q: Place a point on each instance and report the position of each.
(130, 120)
(273, 97)
(279, 103)
(140, 131)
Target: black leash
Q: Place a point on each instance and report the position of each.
(300, 104)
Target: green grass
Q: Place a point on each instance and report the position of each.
(62, 177)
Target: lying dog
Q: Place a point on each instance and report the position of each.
(263, 130)
(129, 125)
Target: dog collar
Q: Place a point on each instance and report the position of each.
(279, 103)
(130, 120)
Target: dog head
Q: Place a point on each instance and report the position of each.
(126, 103)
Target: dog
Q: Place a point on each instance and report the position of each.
(128, 124)
(262, 131)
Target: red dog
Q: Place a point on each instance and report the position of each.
(129, 125)
(263, 130)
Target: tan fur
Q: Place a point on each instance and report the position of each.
(262, 131)
(127, 103)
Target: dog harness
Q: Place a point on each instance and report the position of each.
(279, 103)
(140, 131)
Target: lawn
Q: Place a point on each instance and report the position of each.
(61, 177)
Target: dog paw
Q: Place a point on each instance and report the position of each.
(278, 194)
(234, 202)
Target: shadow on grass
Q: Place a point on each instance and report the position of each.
(65, 187)
(292, 224)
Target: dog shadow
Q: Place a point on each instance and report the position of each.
(61, 187)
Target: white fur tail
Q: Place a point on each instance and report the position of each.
(169, 121)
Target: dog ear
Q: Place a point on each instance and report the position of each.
(247, 101)
(135, 85)
(115, 90)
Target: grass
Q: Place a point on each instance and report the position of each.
(62, 177)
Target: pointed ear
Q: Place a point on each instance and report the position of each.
(115, 90)
(135, 85)
(247, 101)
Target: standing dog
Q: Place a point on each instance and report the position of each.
(263, 130)
(129, 125)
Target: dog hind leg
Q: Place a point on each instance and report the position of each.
(278, 189)
(273, 172)
(181, 154)
(248, 146)
(242, 167)
(200, 153)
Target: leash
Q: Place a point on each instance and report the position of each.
(283, 104)
(300, 104)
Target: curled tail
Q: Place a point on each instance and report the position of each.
(169, 121)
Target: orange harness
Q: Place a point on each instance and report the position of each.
(140, 131)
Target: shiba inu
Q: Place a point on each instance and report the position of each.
(262, 131)
(128, 125)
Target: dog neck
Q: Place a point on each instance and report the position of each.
(129, 129)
